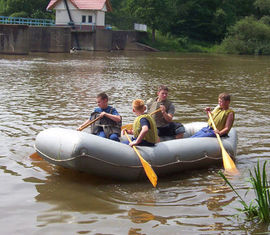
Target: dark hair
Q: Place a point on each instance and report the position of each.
(103, 96)
(162, 87)
(225, 96)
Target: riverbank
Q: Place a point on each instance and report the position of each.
(248, 36)
(183, 44)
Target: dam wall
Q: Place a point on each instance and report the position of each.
(24, 39)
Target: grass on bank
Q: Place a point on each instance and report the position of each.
(173, 44)
(260, 207)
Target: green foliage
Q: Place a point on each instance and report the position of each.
(264, 6)
(176, 44)
(248, 36)
(119, 17)
(19, 14)
(207, 20)
(25, 8)
(153, 13)
(265, 20)
(260, 185)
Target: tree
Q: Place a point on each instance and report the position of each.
(263, 7)
(119, 17)
(26, 8)
(248, 36)
(153, 13)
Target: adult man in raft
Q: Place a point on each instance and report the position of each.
(165, 125)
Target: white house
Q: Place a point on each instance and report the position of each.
(83, 13)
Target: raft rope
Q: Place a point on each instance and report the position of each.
(139, 166)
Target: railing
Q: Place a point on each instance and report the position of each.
(26, 21)
(82, 26)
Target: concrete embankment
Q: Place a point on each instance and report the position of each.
(13, 39)
(23, 39)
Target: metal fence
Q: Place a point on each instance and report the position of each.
(25, 21)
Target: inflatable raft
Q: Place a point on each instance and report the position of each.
(106, 158)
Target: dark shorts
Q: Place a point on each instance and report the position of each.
(172, 129)
(143, 143)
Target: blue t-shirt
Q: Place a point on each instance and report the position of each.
(145, 122)
(109, 109)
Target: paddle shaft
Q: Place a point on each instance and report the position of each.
(147, 167)
(130, 125)
(214, 127)
(90, 123)
(156, 111)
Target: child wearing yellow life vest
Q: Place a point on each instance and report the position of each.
(144, 126)
(223, 118)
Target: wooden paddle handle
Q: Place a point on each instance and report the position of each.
(156, 111)
(212, 121)
(90, 123)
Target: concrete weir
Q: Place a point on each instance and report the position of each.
(13, 39)
(23, 39)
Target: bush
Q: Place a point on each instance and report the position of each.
(22, 14)
(248, 36)
(175, 44)
(259, 208)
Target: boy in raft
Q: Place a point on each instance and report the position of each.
(144, 126)
(164, 119)
(109, 125)
(223, 118)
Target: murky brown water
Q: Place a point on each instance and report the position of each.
(40, 91)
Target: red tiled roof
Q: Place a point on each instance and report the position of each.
(84, 4)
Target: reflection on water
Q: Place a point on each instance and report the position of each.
(40, 91)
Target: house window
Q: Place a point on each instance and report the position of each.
(83, 19)
(89, 19)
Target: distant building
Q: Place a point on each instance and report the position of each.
(140, 27)
(83, 14)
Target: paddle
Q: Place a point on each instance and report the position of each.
(228, 163)
(35, 156)
(88, 124)
(130, 125)
(147, 167)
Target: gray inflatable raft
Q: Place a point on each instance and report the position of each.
(106, 158)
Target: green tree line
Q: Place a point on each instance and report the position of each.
(25, 8)
(237, 26)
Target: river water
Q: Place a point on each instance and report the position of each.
(40, 91)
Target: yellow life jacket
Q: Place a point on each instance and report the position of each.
(151, 136)
(220, 117)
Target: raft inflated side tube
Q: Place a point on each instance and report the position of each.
(104, 157)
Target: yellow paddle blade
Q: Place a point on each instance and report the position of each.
(228, 163)
(35, 156)
(127, 126)
(147, 168)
